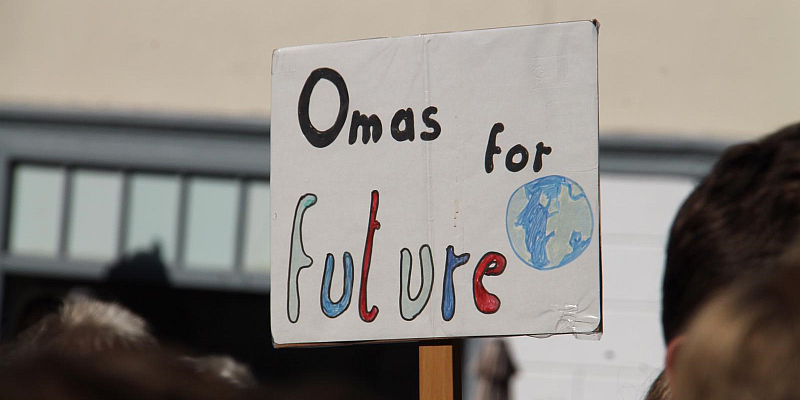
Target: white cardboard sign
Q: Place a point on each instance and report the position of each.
(436, 186)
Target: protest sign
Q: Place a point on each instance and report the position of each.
(435, 186)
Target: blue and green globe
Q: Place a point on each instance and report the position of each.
(549, 222)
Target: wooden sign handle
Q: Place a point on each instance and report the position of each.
(440, 370)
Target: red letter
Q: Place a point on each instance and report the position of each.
(369, 316)
(486, 302)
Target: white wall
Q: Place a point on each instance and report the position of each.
(715, 67)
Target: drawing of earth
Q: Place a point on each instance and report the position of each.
(549, 222)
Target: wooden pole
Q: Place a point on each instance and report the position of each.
(440, 370)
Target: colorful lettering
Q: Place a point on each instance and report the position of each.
(486, 302)
(449, 292)
(333, 309)
(410, 306)
(368, 316)
(298, 259)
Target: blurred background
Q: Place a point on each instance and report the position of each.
(134, 162)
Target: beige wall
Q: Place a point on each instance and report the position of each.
(713, 67)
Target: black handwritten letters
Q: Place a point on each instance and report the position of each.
(402, 126)
(513, 163)
(315, 137)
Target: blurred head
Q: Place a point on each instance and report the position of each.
(83, 326)
(744, 344)
(738, 220)
(115, 374)
(86, 327)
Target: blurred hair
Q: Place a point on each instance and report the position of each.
(736, 223)
(744, 343)
(152, 374)
(226, 367)
(83, 326)
(659, 390)
(87, 327)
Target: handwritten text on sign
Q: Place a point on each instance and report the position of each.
(453, 105)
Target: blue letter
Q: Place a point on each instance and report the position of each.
(449, 295)
(330, 308)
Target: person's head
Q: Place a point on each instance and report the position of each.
(82, 325)
(87, 327)
(743, 344)
(738, 220)
(119, 374)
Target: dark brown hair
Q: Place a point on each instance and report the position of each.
(737, 222)
(743, 343)
(152, 374)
